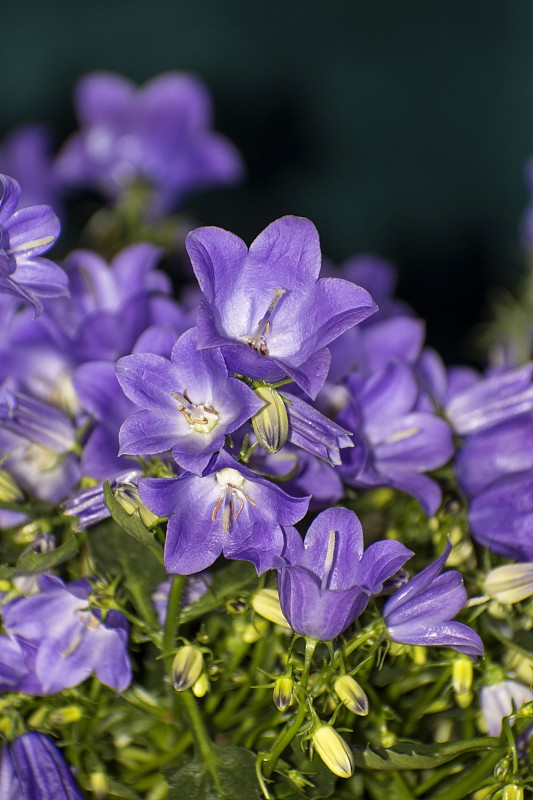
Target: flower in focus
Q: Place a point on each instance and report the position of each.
(159, 134)
(32, 768)
(421, 611)
(326, 582)
(266, 306)
(24, 236)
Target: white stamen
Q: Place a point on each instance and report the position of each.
(328, 563)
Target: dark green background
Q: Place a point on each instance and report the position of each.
(398, 126)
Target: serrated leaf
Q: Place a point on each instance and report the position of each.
(132, 524)
(232, 777)
(35, 563)
(411, 755)
(227, 583)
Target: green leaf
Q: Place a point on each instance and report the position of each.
(411, 755)
(235, 771)
(34, 563)
(132, 524)
(226, 584)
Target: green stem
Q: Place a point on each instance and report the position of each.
(470, 780)
(267, 761)
(201, 737)
(172, 619)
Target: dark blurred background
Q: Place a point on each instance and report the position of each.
(401, 128)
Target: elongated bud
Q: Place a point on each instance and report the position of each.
(352, 695)
(462, 677)
(266, 603)
(128, 497)
(66, 715)
(10, 492)
(510, 584)
(99, 785)
(282, 695)
(187, 667)
(201, 686)
(271, 423)
(513, 792)
(333, 751)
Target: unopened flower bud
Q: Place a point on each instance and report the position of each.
(282, 695)
(99, 785)
(10, 492)
(511, 583)
(513, 792)
(334, 751)
(187, 667)
(462, 677)
(66, 715)
(266, 603)
(271, 423)
(352, 695)
(128, 497)
(501, 770)
(201, 686)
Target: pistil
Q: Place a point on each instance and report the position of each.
(258, 340)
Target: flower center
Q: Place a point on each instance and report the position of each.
(258, 339)
(328, 563)
(201, 417)
(232, 498)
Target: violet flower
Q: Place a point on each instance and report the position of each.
(421, 611)
(266, 307)
(188, 403)
(229, 510)
(64, 640)
(499, 700)
(26, 154)
(313, 432)
(195, 588)
(32, 768)
(325, 583)
(24, 236)
(159, 134)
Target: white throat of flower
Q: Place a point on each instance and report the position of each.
(202, 417)
(232, 498)
(328, 563)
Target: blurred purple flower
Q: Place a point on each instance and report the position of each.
(32, 768)
(499, 700)
(159, 133)
(26, 154)
(267, 308)
(420, 612)
(325, 583)
(24, 236)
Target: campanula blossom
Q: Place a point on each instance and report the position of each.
(421, 612)
(32, 768)
(24, 236)
(499, 700)
(64, 640)
(159, 134)
(326, 581)
(229, 510)
(501, 516)
(26, 155)
(187, 403)
(266, 306)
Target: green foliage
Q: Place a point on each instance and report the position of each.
(33, 562)
(230, 777)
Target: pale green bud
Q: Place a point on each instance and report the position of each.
(282, 695)
(501, 770)
(99, 785)
(333, 751)
(201, 686)
(271, 423)
(128, 497)
(266, 603)
(66, 715)
(462, 678)
(352, 695)
(513, 792)
(187, 667)
(510, 584)
(10, 492)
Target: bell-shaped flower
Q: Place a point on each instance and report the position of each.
(421, 612)
(64, 640)
(229, 510)
(326, 581)
(32, 768)
(188, 403)
(499, 700)
(266, 306)
(24, 236)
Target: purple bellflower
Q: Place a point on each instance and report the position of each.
(499, 700)
(229, 510)
(421, 612)
(159, 134)
(24, 236)
(313, 432)
(188, 403)
(26, 154)
(32, 768)
(64, 640)
(325, 583)
(267, 308)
